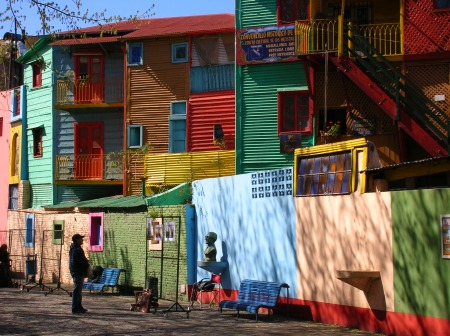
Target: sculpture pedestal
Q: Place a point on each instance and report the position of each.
(216, 267)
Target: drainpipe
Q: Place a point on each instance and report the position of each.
(143, 179)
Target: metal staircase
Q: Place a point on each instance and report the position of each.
(394, 93)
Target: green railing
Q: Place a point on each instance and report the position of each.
(398, 86)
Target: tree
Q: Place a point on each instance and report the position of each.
(69, 14)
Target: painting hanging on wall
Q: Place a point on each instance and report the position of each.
(445, 236)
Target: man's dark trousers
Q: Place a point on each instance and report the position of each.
(76, 294)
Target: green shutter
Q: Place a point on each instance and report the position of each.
(58, 232)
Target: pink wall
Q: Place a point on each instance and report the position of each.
(5, 110)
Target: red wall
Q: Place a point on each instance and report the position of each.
(205, 110)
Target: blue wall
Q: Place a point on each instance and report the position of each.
(256, 233)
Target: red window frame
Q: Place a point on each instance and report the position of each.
(37, 75)
(96, 231)
(37, 142)
(297, 119)
(284, 8)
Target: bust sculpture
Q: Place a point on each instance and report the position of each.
(210, 251)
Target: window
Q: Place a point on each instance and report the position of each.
(177, 127)
(1, 126)
(13, 202)
(15, 103)
(96, 231)
(37, 142)
(291, 10)
(134, 136)
(58, 232)
(37, 75)
(135, 53)
(442, 4)
(15, 148)
(324, 175)
(294, 112)
(29, 230)
(179, 52)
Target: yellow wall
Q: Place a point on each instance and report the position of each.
(15, 130)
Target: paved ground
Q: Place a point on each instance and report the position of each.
(33, 313)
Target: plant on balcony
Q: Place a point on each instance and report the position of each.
(333, 129)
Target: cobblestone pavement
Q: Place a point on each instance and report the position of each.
(34, 313)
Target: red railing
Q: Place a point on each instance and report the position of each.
(89, 167)
(89, 91)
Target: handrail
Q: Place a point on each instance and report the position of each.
(398, 85)
(89, 91)
(89, 166)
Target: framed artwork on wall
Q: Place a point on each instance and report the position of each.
(445, 236)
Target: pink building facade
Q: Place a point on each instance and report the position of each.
(5, 111)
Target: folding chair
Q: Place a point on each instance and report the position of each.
(212, 286)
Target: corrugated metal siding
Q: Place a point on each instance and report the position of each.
(173, 169)
(41, 194)
(258, 141)
(39, 113)
(77, 193)
(208, 109)
(223, 57)
(251, 13)
(151, 89)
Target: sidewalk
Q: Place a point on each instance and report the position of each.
(33, 313)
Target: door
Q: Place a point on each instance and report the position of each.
(89, 82)
(88, 158)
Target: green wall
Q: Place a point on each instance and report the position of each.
(251, 13)
(421, 276)
(125, 247)
(257, 141)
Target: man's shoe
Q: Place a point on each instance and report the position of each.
(83, 310)
(79, 311)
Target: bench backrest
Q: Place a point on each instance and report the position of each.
(262, 292)
(110, 276)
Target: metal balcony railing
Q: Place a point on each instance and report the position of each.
(89, 167)
(212, 78)
(89, 91)
(316, 36)
(177, 168)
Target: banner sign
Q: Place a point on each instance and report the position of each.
(265, 45)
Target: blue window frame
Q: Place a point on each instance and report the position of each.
(17, 103)
(180, 52)
(135, 53)
(29, 230)
(134, 133)
(177, 127)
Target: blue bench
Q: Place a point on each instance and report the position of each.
(255, 294)
(109, 278)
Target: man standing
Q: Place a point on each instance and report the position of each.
(79, 266)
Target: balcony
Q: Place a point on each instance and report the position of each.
(93, 169)
(89, 93)
(177, 168)
(212, 78)
(318, 36)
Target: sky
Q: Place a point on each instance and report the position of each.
(162, 8)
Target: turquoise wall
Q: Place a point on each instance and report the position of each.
(421, 276)
(39, 113)
(255, 235)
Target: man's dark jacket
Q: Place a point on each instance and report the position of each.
(78, 263)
